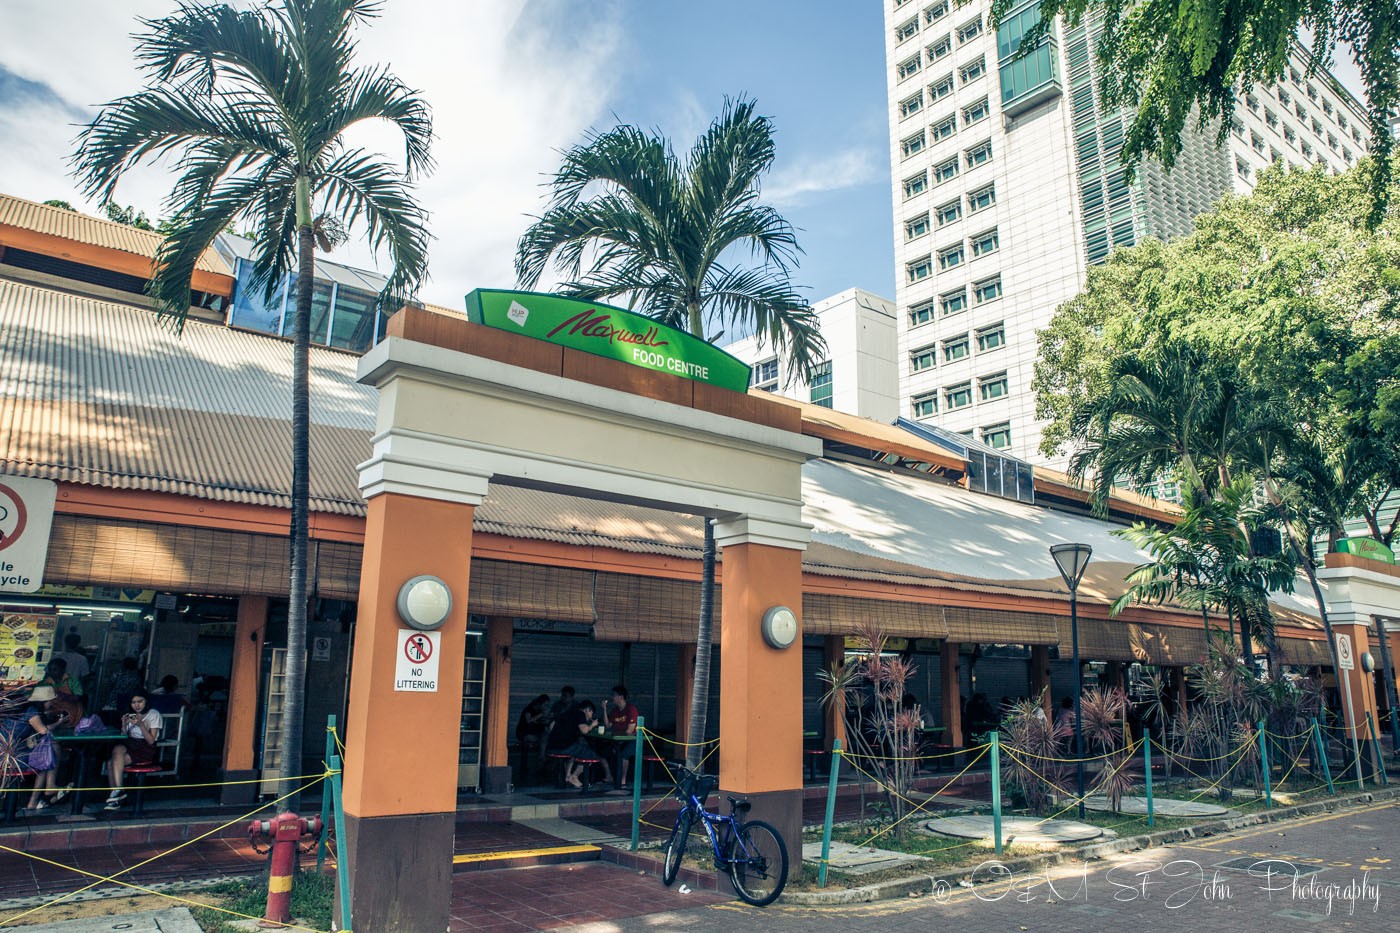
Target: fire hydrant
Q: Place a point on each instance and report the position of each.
(285, 830)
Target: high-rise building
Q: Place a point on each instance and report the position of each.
(859, 375)
(1008, 187)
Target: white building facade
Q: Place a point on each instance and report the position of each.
(1007, 188)
(859, 376)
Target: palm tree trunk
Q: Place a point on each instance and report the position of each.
(293, 710)
(704, 635)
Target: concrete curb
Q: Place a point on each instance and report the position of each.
(928, 883)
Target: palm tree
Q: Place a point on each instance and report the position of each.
(255, 103)
(1206, 561)
(629, 221)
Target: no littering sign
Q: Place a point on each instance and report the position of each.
(416, 665)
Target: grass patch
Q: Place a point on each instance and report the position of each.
(312, 896)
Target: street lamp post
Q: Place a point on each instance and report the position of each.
(1072, 559)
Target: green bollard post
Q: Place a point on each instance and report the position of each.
(996, 791)
(321, 845)
(1371, 726)
(1147, 773)
(1264, 766)
(637, 765)
(830, 811)
(342, 863)
(1322, 753)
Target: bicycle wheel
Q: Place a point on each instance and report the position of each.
(758, 863)
(675, 848)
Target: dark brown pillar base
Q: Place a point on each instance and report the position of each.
(495, 780)
(239, 794)
(390, 855)
(782, 808)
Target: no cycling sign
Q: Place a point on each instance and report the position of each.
(416, 664)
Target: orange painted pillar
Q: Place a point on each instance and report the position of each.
(401, 747)
(241, 732)
(760, 707)
(833, 656)
(952, 694)
(1040, 677)
(685, 683)
(1362, 688)
(500, 634)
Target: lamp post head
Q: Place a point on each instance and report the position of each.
(1072, 559)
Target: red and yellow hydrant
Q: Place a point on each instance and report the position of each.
(285, 830)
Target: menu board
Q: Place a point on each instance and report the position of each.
(26, 644)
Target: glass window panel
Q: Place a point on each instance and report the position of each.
(353, 325)
(249, 309)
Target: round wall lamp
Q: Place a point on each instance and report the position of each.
(779, 627)
(424, 603)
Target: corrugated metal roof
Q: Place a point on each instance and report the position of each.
(94, 231)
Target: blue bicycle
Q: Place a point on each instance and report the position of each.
(751, 851)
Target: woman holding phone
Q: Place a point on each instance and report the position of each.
(141, 725)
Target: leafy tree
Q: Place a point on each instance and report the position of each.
(55, 202)
(630, 221)
(255, 104)
(1174, 61)
(127, 216)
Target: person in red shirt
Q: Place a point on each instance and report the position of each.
(622, 720)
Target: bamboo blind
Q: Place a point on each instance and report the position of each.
(650, 609)
(1305, 652)
(1002, 627)
(531, 591)
(1099, 640)
(1167, 644)
(824, 614)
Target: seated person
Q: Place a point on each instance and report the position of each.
(141, 725)
(38, 721)
(167, 698)
(622, 720)
(568, 736)
(530, 728)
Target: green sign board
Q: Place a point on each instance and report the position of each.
(607, 331)
(1366, 547)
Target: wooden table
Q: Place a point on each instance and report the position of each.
(81, 746)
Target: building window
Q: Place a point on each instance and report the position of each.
(1294, 76)
(1270, 119)
(906, 30)
(976, 112)
(949, 212)
(911, 105)
(913, 145)
(992, 387)
(1346, 155)
(924, 405)
(921, 313)
(945, 171)
(955, 348)
(919, 269)
(984, 243)
(989, 338)
(982, 198)
(1307, 149)
(1342, 120)
(987, 290)
(997, 435)
(1316, 126)
(944, 128)
(1283, 97)
(978, 155)
(941, 88)
(1289, 136)
(921, 359)
(940, 49)
(1257, 142)
(950, 258)
(1252, 102)
(910, 67)
(936, 12)
(917, 227)
(1327, 106)
(915, 184)
(765, 375)
(1300, 112)
(973, 69)
(1242, 168)
(1274, 154)
(820, 381)
(953, 302)
(1332, 142)
(969, 31)
(958, 396)
(1312, 93)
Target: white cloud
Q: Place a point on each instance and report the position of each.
(508, 81)
(792, 184)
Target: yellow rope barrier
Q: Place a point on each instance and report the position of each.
(115, 879)
(918, 807)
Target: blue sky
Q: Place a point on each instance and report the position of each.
(513, 81)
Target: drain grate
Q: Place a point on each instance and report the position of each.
(1278, 866)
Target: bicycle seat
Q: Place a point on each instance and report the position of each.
(739, 806)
